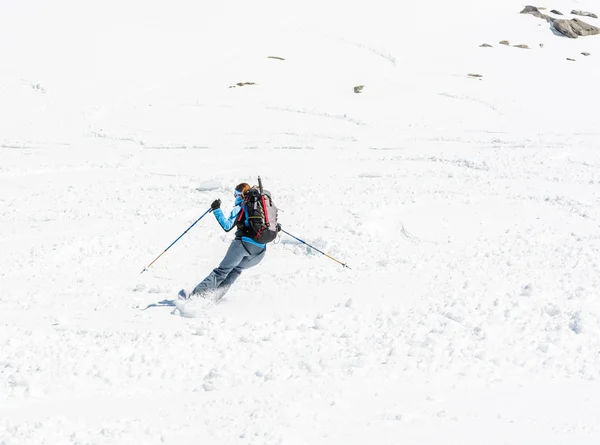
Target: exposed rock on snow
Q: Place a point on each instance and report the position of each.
(572, 28)
(570, 60)
(358, 88)
(575, 28)
(241, 84)
(534, 11)
(523, 46)
(504, 42)
(554, 11)
(584, 14)
(485, 45)
(475, 75)
(585, 54)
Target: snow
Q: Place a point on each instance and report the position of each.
(467, 208)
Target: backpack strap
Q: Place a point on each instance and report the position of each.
(239, 220)
(241, 214)
(264, 204)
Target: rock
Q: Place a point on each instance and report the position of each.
(575, 28)
(530, 10)
(241, 84)
(541, 45)
(521, 46)
(478, 76)
(358, 89)
(554, 11)
(504, 42)
(571, 60)
(584, 14)
(586, 54)
(485, 45)
(570, 28)
(275, 57)
(535, 12)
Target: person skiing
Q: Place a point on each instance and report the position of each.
(243, 252)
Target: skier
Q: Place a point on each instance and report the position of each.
(243, 252)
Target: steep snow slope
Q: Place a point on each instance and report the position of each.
(468, 209)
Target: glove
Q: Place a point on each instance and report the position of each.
(216, 204)
(278, 227)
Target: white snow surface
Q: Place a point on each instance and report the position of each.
(468, 209)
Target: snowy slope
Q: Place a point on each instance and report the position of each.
(468, 209)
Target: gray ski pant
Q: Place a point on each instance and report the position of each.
(239, 256)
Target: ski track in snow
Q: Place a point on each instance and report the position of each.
(471, 313)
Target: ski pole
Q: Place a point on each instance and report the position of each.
(155, 259)
(312, 247)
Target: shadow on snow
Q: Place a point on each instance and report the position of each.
(163, 303)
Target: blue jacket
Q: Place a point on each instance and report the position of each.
(227, 223)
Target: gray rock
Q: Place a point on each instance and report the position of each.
(554, 11)
(358, 89)
(486, 45)
(570, 28)
(534, 11)
(504, 42)
(530, 10)
(570, 60)
(584, 14)
(242, 84)
(478, 76)
(522, 46)
(541, 45)
(586, 54)
(575, 28)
